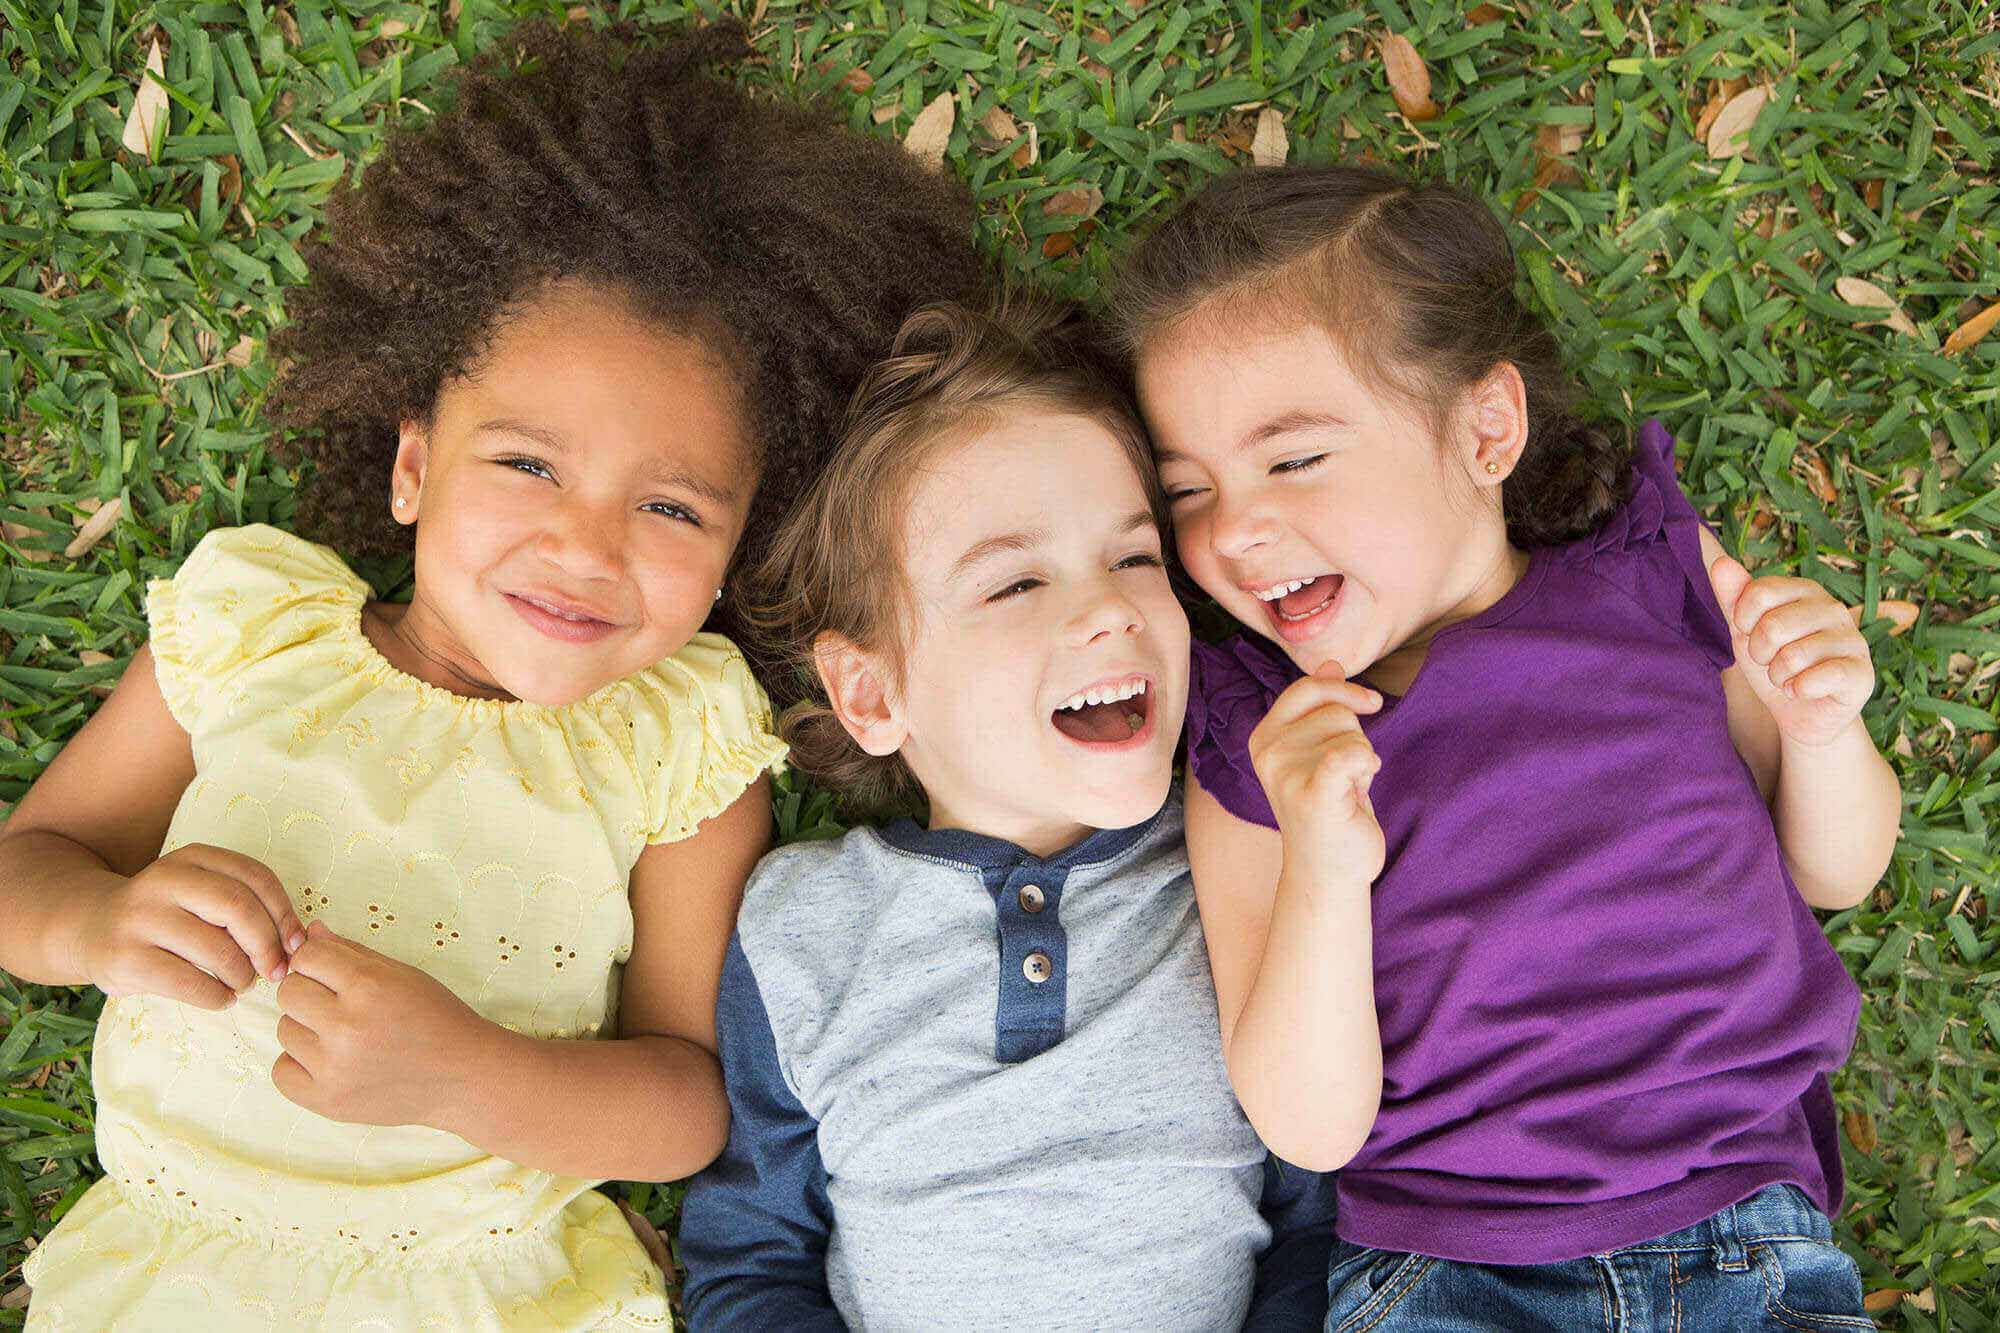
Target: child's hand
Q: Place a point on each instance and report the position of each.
(1316, 768)
(198, 925)
(1798, 648)
(368, 1040)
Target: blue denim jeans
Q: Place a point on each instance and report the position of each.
(1768, 1262)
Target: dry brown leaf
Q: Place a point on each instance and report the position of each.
(1970, 332)
(1709, 111)
(19, 534)
(857, 80)
(1861, 292)
(930, 133)
(94, 528)
(1058, 244)
(1098, 68)
(1871, 192)
(452, 11)
(1409, 78)
(1819, 480)
(887, 111)
(1081, 202)
(16, 1297)
(149, 108)
(1860, 1130)
(1553, 170)
(91, 657)
(1479, 14)
(1030, 152)
(239, 355)
(1882, 1301)
(1729, 135)
(289, 25)
(999, 126)
(393, 28)
(1559, 140)
(1925, 1301)
(1270, 147)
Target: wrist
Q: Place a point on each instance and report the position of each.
(77, 924)
(1855, 732)
(1327, 877)
(465, 1088)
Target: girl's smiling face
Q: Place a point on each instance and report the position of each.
(1318, 511)
(577, 494)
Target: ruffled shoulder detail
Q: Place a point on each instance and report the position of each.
(1231, 686)
(702, 733)
(1651, 550)
(243, 596)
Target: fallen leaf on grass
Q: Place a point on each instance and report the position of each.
(393, 28)
(1082, 202)
(999, 126)
(149, 108)
(930, 133)
(1860, 1130)
(239, 355)
(1058, 244)
(648, 1236)
(1871, 192)
(94, 528)
(18, 534)
(16, 1297)
(1270, 147)
(1409, 78)
(1970, 332)
(1883, 1300)
(1479, 14)
(1925, 1301)
(857, 80)
(1729, 135)
(1558, 140)
(1861, 292)
(90, 657)
(1030, 152)
(1819, 480)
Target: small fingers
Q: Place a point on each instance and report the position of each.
(158, 972)
(260, 879)
(1834, 678)
(300, 1042)
(1801, 653)
(307, 1000)
(1761, 596)
(209, 948)
(1784, 624)
(293, 1082)
(225, 901)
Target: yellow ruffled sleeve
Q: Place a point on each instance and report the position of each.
(702, 731)
(243, 596)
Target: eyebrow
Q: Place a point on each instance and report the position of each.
(1285, 423)
(1026, 541)
(664, 475)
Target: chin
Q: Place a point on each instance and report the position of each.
(1128, 804)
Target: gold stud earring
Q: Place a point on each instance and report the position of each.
(1492, 468)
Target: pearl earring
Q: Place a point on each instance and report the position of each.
(402, 502)
(1492, 468)
(718, 594)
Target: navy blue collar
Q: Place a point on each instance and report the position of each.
(980, 851)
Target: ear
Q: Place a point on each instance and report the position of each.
(860, 687)
(1494, 414)
(406, 476)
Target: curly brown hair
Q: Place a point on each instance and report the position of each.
(764, 227)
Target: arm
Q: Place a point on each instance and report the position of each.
(83, 899)
(1794, 696)
(754, 1226)
(373, 1040)
(1290, 941)
(1291, 1273)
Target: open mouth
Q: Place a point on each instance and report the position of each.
(1301, 608)
(1113, 712)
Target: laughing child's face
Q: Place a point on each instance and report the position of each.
(1042, 692)
(577, 496)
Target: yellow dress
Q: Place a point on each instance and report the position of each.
(488, 843)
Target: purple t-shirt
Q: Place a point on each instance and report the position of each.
(1606, 1011)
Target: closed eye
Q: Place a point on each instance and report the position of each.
(1299, 464)
(1174, 497)
(1014, 589)
(668, 509)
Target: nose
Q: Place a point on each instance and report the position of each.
(1239, 526)
(582, 540)
(1104, 613)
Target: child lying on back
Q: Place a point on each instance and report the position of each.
(973, 1060)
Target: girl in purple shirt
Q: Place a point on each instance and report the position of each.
(1508, 814)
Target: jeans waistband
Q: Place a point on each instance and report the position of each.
(1776, 1212)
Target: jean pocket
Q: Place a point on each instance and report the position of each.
(1363, 1285)
(1811, 1284)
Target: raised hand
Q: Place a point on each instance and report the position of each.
(198, 925)
(1316, 767)
(1799, 650)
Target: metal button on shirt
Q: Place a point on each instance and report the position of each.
(1031, 898)
(1037, 968)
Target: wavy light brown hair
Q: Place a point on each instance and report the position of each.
(790, 246)
(1418, 288)
(836, 564)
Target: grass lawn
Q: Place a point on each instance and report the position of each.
(1711, 284)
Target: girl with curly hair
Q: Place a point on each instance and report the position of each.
(1510, 806)
(413, 916)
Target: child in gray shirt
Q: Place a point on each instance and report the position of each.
(973, 1062)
